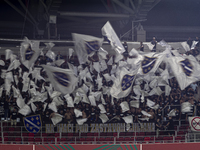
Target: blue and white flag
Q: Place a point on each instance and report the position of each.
(150, 62)
(29, 51)
(123, 84)
(33, 124)
(86, 45)
(185, 68)
(63, 80)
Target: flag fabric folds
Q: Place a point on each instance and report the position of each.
(86, 45)
(116, 44)
(63, 80)
(150, 62)
(123, 84)
(185, 68)
(29, 52)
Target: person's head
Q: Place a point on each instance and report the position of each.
(170, 117)
(141, 43)
(154, 38)
(15, 110)
(197, 37)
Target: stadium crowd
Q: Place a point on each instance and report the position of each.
(114, 112)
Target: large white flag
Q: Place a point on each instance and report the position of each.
(116, 44)
(123, 84)
(185, 46)
(86, 45)
(63, 80)
(185, 68)
(29, 51)
(186, 107)
(150, 62)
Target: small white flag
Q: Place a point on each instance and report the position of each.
(33, 107)
(128, 119)
(92, 100)
(77, 113)
(69, 100)
(172, 112)
(110, 62)
(81, 121)
(186, 107)
(102, 109)
(56, 118)
(135, 103)
(26, 110)
(125, 107)
(145, 113)
(52, 106)
(103, 117)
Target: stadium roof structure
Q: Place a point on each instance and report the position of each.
(57, 19)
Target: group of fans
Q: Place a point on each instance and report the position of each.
(164, 103)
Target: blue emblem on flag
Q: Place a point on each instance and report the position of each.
(127, 81)
(33, 123)
(187, 67)
(62, 78)
(92, 46)
(29, 53)
(147, 64)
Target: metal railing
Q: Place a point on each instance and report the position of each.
(18, 135)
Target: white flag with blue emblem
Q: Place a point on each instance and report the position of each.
(86, 45)
(123, 83)
(185, 68)
(63, 80)
(150, 62)
(29, 51)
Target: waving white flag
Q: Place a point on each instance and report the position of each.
(29, 51)
(108, 31)
(86, 45)
(185, 68)
(63, 80)
(123, 84)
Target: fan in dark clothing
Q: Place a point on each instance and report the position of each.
(170, 126)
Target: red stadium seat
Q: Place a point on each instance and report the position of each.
(30, 134)
(25, 134)
(38, 140)
(115, 134)
(51, 140)
(11, 129)
(147, 139)
(103, 134)
(18, 140)
(109, 134)
(180, 133)
(31, 140)
(140, 139)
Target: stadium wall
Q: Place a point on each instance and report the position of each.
(176, 146)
